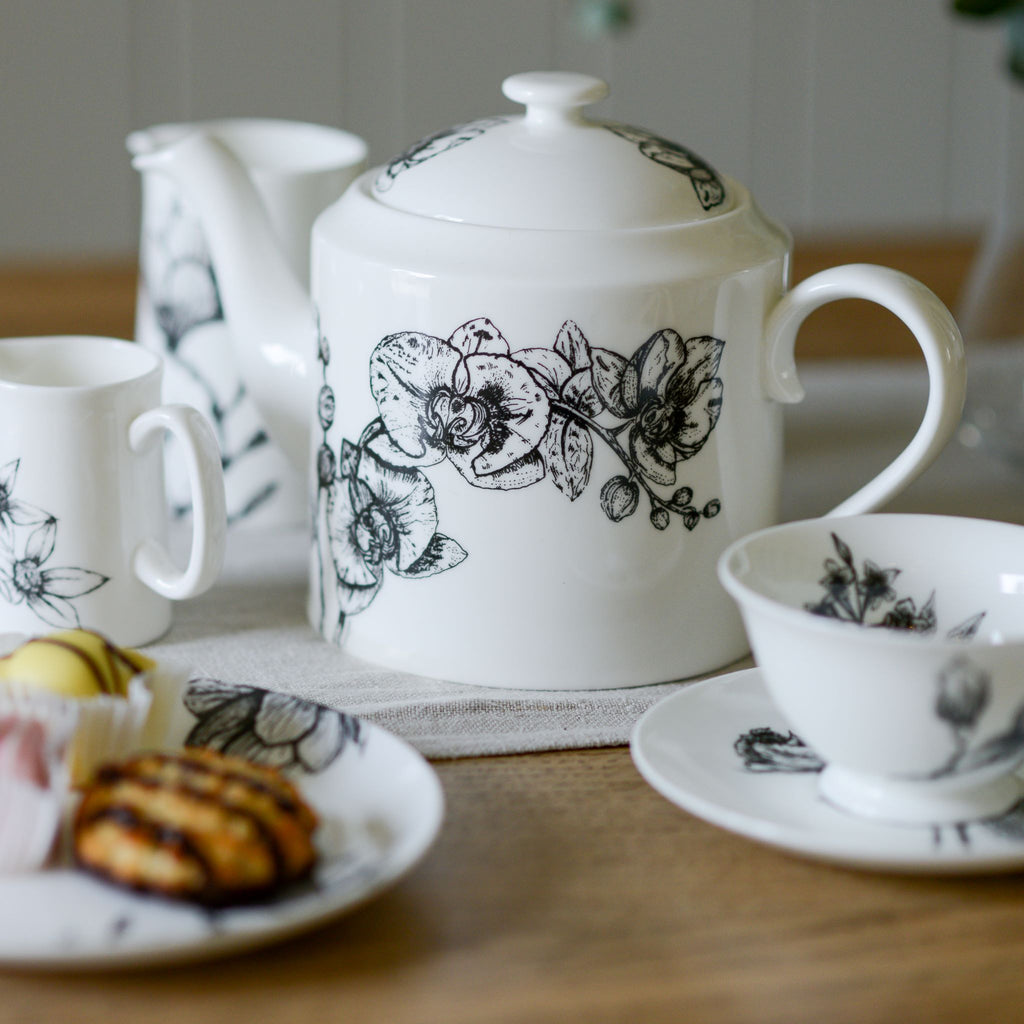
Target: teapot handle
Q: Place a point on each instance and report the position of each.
(933, 327)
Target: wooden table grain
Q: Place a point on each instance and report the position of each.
(563, 888)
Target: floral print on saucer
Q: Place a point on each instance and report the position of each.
(721, 751)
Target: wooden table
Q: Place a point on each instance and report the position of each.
(564, 888)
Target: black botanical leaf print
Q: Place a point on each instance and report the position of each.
(268, 728)
(1005, 747)
(608, 369)
(432, 146)
(505, 419)
(13, 512)
(765, 750)
(569, 454)
(967, 629)
(181, 286)
(851, 595)
(441, 554)
(1007, 826)
(706, 183)
(29, 538)
(572, 346)
(843, 550)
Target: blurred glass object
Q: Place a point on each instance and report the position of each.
(991, 313)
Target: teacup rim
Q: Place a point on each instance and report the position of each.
(149, 364)
(745, 595)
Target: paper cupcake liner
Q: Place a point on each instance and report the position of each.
(30, 818)
(167, 684)
(31, 808)
(108, 727)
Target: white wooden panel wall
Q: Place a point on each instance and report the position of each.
(865, 116)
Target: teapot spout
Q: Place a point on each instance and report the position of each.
(271, 317)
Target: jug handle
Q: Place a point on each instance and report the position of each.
(152, 562)
(934, 329)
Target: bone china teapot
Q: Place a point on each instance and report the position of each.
(538, 382)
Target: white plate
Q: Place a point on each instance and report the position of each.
(701, 749)
(380, 806)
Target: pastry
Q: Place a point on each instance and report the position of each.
(196, 825)
(76, 663)
(111, 687)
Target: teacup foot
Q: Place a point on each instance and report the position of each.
(919, 802)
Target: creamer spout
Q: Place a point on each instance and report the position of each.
(268, 310)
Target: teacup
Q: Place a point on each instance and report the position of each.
(83, 517)
(894, 647)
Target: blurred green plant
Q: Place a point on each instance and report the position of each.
(1013, 11)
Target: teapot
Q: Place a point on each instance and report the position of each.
(539, 382)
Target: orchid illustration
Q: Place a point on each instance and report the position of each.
(269, 728)
(382, 517)
(465, 399)
(48, 592)
(376, 516)
(505, 419)
(672, 393)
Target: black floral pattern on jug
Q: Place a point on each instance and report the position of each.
(181, 285)
(868, 598)
(505, 419)
(28, 538)
(266, 727)
(706, 182)
(433, 145)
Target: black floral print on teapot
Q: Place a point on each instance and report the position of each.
(506, 419)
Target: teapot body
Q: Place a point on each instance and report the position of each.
(531, 447)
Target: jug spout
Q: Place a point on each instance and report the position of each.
(269, 312)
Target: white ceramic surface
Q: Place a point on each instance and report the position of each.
(721, 751)
(894, 645)
(551, 356)
(380, 807)
(83, 520)
(297, 169)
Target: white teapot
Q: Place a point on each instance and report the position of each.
(538, 381)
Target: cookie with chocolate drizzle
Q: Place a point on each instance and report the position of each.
(196, 825)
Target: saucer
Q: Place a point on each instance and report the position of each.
(720, 750)
(380, 806)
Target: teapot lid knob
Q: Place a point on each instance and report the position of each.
(553, 97)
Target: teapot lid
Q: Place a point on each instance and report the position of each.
(551, 167)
